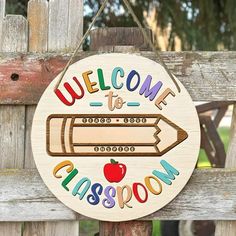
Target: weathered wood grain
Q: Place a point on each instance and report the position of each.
(229, 227)
(129, 228)
(2, 15)
(209, 195)
(58, 25)
(118, 36)
(15, 34)
(29, 159)
(65, 27)
(50, 229)
(10, 229)
(12, 130)
(38, 25)
(75, 24)
(208, 76)
(12, 118)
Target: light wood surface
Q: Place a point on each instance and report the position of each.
(173, 136)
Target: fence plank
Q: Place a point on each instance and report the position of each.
(60, 16)
(38, 25)
(12, 130)
(15, 34)
(205, 83)
(2, 15)
(118, 36)
(38, 42)
(10, 229)
(30, 199)
(50, 229)
(130, 228)
(229, 227)
(12, 118)
(58, 25)
(29, 160)
(75, 24)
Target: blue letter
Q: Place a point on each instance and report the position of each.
(129, 79)
(96, 190)
(171, 171)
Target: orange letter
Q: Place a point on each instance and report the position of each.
(121, 201)
(61, 165)
(88, 83)
(150, 187)
(162, 97)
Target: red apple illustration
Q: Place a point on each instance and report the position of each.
(114, 172)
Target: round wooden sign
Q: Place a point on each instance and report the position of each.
(116, 140)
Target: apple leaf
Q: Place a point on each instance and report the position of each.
(114, 162)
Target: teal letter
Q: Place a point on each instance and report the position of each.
(145, 89)
(78, 185)
(114, 77)
(171, 171)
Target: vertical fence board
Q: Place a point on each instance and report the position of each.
(229, 227)
(59, 37)
(38, 25)
(2, 14)
(10, 229)
(29, 160)
(131, 228)
(58, 25)
(51, 229)
(12, 118)
(38, 43)
(12, 130)
(75, 24)
(58, 41)
(15, 34)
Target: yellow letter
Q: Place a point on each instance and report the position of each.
(88, 83)
(61, 165)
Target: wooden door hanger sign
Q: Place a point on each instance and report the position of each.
(116, 140)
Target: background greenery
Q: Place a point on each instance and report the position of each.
(200, 24)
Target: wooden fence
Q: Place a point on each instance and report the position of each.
(33, 51)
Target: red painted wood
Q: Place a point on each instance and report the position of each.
(35, 73)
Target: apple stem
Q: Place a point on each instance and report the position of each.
(114, 162)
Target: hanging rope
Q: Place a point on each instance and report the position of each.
(80, 43)
(146, 38)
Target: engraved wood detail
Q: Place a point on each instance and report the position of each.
(82, 138)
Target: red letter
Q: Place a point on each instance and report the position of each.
(73, 94)
(136, 194)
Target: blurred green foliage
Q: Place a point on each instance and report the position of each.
(16, 7)
(200, 24)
